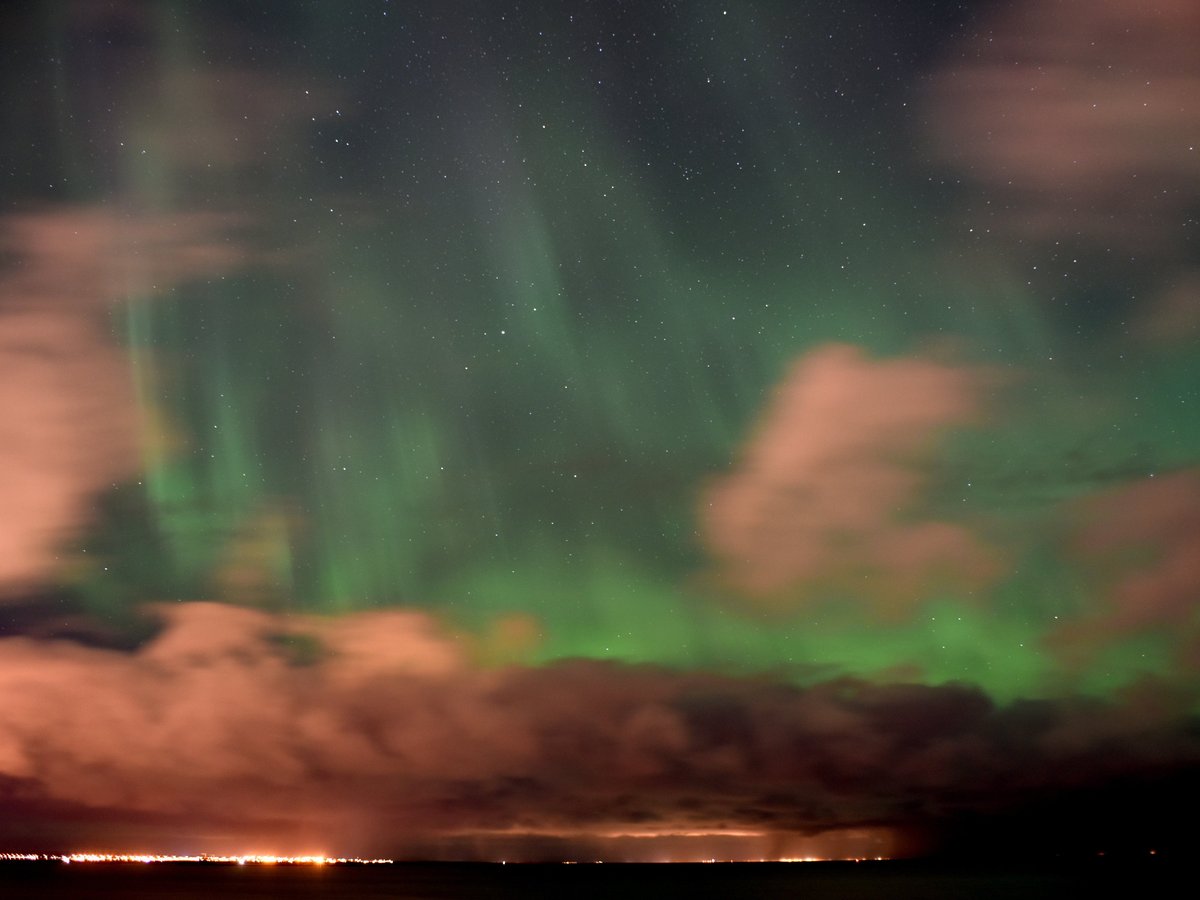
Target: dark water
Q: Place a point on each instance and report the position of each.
(865, 881)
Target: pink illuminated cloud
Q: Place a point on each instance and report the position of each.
(1081, 115)
(825, 487)
(1140, 545)
(68, 416)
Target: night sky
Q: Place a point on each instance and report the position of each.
(632, 428)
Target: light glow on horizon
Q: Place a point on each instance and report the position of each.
(255, 859)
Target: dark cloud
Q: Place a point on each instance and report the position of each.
(388, 737)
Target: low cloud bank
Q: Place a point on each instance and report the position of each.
(377, 734)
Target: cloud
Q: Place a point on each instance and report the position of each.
(824, 490)
(389, 738)
(1174, 315)
(1081, 115)
(210, 111)
(68, 415)
(1140, 545)
(86, 258)
(230, 117)
(1160, 515)
(67, 429)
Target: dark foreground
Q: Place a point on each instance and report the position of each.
(426, 881)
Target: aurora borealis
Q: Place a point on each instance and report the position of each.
(411, 411)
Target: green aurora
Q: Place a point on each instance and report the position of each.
(500, 319)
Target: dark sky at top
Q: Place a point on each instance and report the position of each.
(452, 425)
